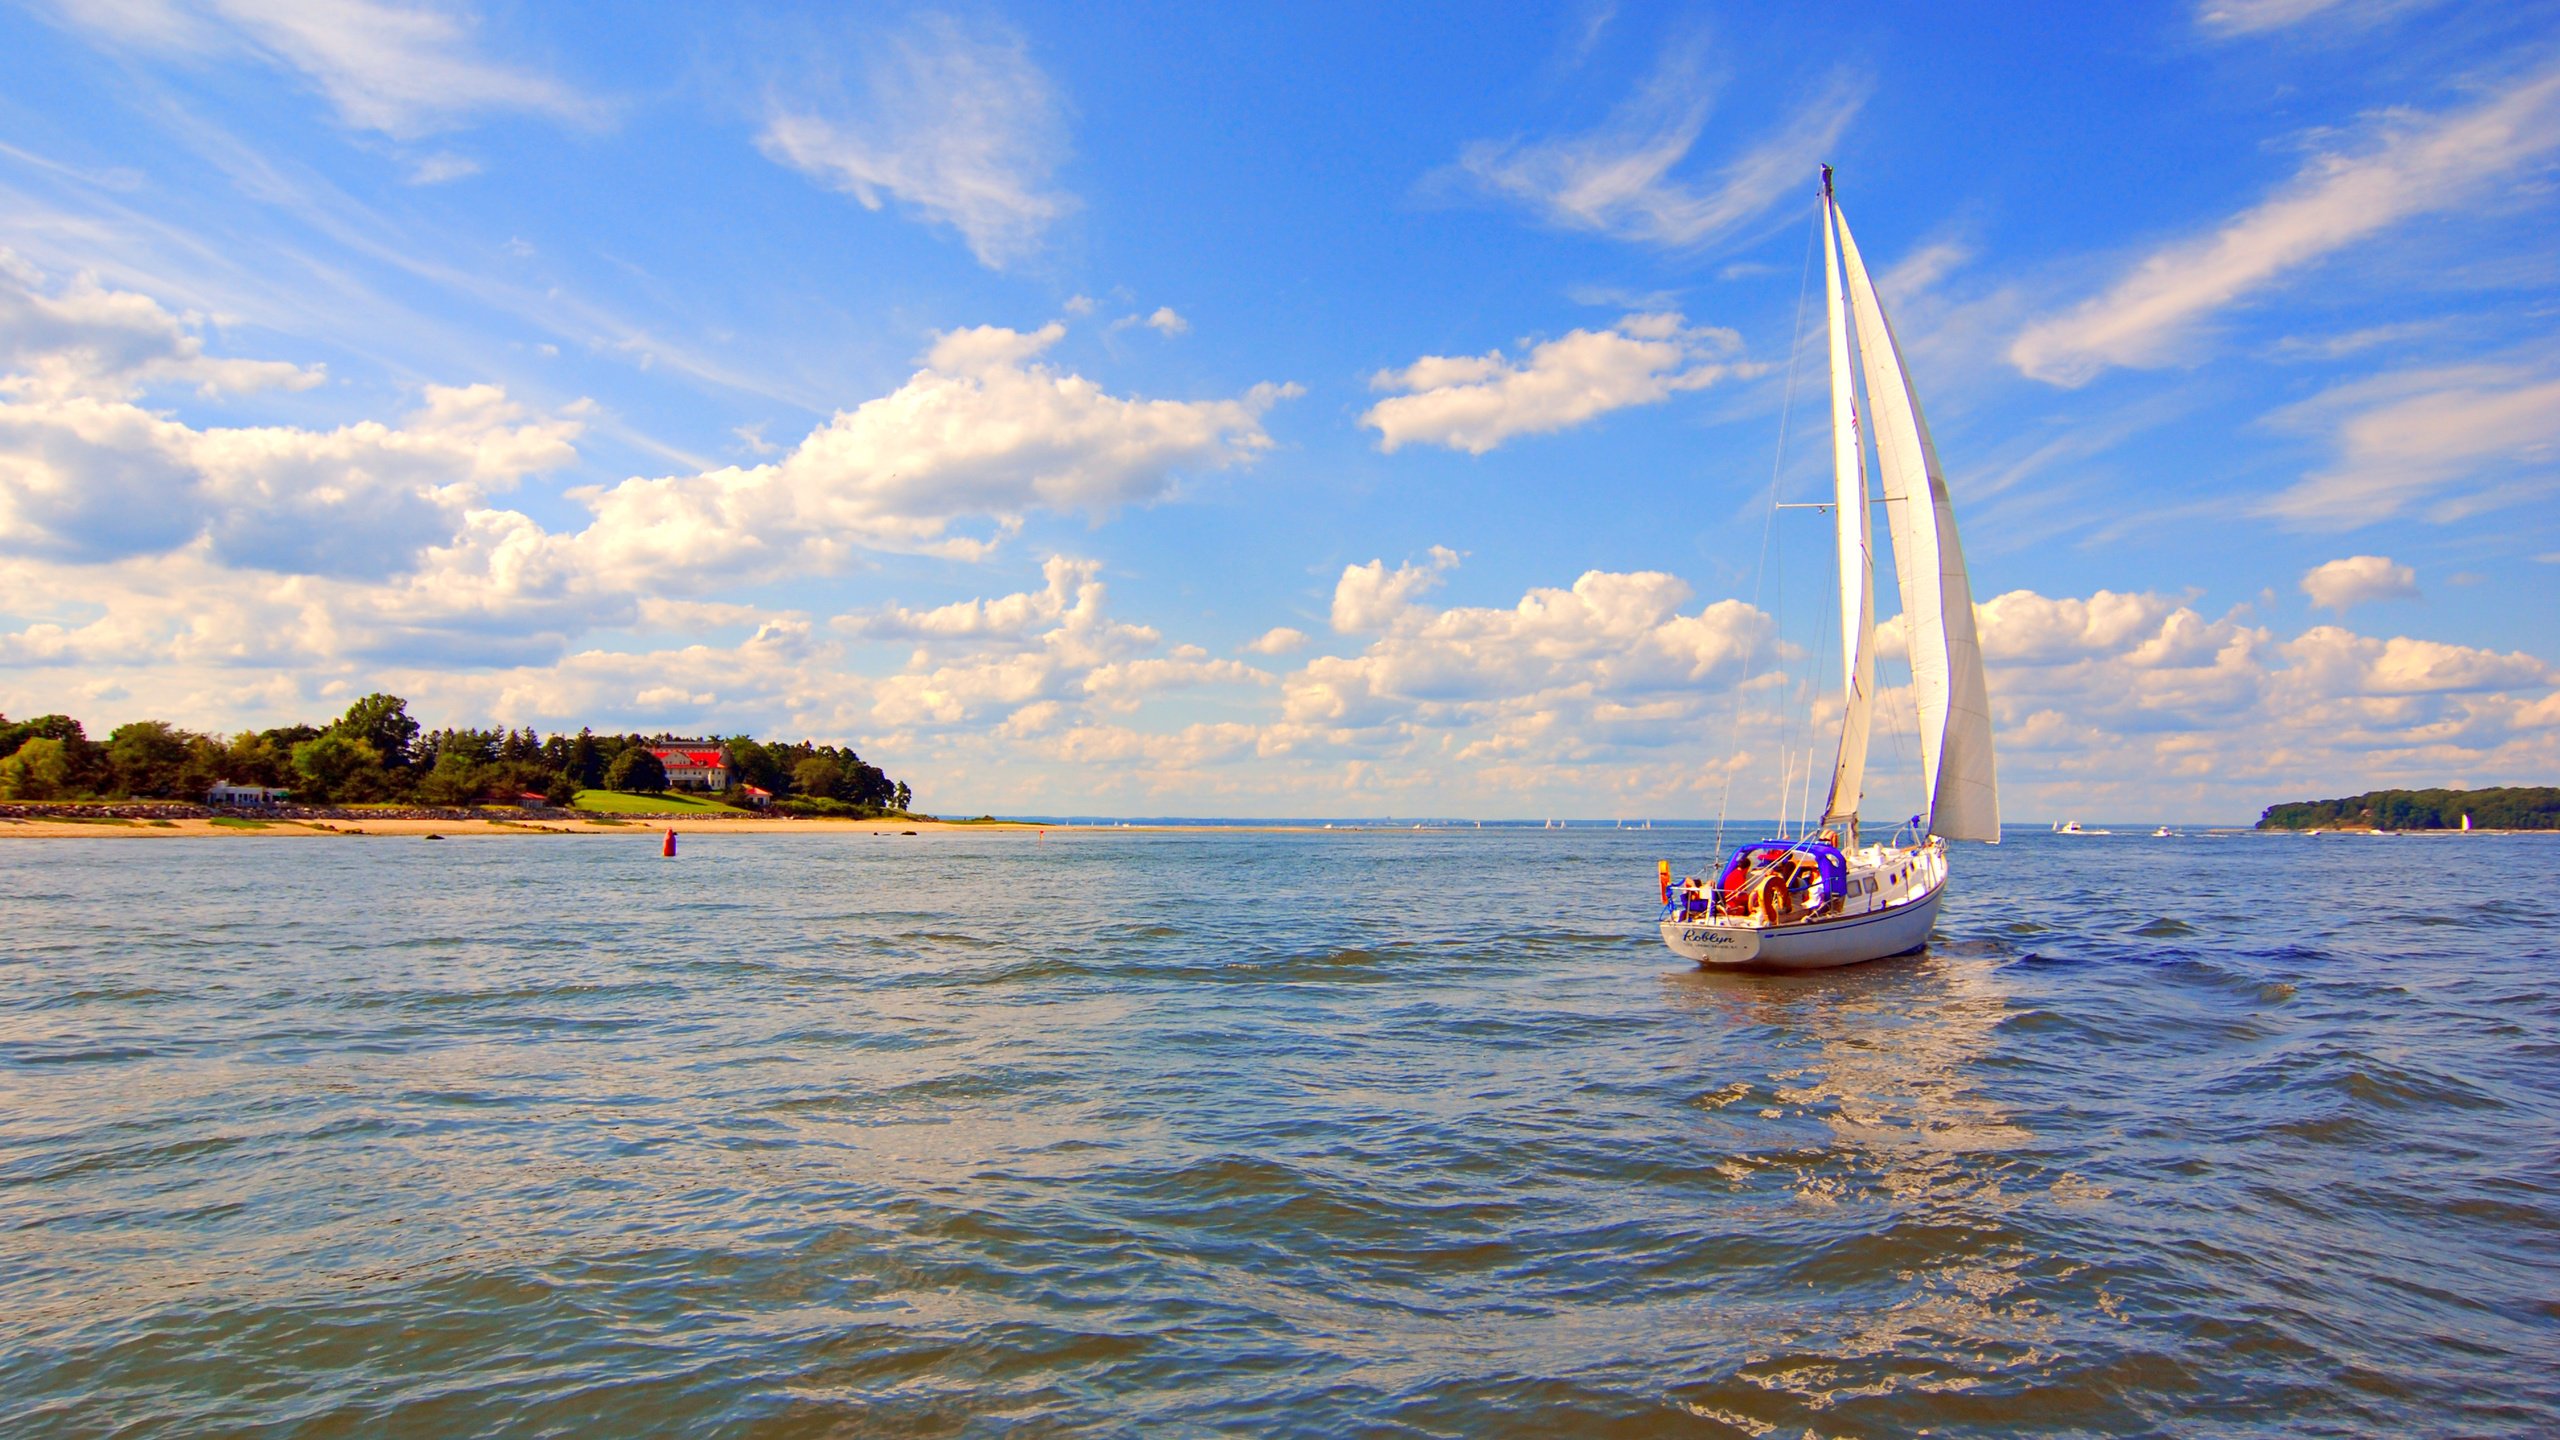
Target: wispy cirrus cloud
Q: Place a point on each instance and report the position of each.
(1476, 402)
(1630, 178)
(956, 126)
(2447, 442)
(2234, 18)
(2422, 165)
(403, 70)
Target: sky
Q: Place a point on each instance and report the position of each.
(1334, 410)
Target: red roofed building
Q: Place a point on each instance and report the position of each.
(692, 764)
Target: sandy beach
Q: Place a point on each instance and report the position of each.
(105, 828)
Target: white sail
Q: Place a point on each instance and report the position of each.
(1937, 599)
(1856, 532)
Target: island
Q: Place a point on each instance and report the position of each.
(2501, 807)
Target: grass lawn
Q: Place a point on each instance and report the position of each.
(614, 802)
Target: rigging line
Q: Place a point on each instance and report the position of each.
(1768, 524)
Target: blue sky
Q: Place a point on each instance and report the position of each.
(1167, 410)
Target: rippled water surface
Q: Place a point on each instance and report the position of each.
(973, 1134)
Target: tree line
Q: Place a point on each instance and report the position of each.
(2504, 807)
(376, 754)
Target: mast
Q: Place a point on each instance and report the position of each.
(1956, 766)
(1856, 533)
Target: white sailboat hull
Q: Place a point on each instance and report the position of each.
(1814, 945)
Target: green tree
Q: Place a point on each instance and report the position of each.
(252, 759)
(147, 757)
(457, 779)
(338, 767)
(52, 727)
(41, 769)
(382, 722)
(905, 797)
(585, 761)
(818, 776)
(753, 764)
(636, 771)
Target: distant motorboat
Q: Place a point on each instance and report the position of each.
(2164, 833)
(2073, 827)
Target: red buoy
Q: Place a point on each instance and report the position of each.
(669, 850)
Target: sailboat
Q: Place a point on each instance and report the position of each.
(1837, 898)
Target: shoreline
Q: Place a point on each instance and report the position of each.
(648, 827)
(102, 827)
(651, 826)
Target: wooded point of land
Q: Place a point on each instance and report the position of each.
(2505, 807)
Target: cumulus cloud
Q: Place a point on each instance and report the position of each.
(1619, 179)
(1371, 596)
(2456, 441)
(2422, 165)
(983, 431)
(982, 435)
(2357, 580)
(1278, 640)
(2139, 701)
(1599, 649)
(92, 479)
(1165, 322)
(1031, 660)
(82, 338)
(400, 69)
(1476, 402)
(958, 127)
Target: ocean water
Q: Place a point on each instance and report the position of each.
(1168, 1134)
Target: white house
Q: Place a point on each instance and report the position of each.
(692, 764)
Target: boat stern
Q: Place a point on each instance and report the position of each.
(1709, 943)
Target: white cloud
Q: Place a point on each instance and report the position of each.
(1278, 640)
(2247, 17)
(1475, 402)
(1613, 695)
(1371, 597)
(93, 479)
(1611, 651)
(961, 129)
(1618, 180)
(401, 69)
(1031, 660)
(2457, 440)
(2339, 662)
(2230, 18)
(2358, 580)
(2422, 165)
(1165, 322)
(85, 339)
(2023, 627)
(438, 168)
(983, 431)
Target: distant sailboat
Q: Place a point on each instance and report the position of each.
(1805, 904)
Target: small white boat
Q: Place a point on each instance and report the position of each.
(2073, 827)
(2164, 833)
(1829, 899)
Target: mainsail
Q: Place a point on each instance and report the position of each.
(1857, 539)
(1937, 599)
